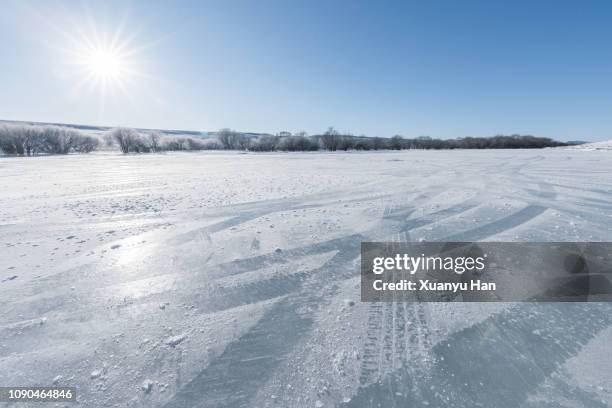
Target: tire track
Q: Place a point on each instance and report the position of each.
(497, 227)
(225, 373)
(499, 361)
(496, 362)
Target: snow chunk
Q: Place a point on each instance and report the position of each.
(175, 340)
(147, 386)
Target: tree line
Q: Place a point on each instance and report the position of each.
(29, 140)
(332, 140)
(25, 140)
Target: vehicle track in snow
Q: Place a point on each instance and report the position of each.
(506, 352)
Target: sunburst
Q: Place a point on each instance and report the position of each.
(105, 63)
(104, 66)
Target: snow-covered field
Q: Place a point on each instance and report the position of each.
(605, 145)
(232, 280)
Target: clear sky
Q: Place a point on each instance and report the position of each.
(438, 68)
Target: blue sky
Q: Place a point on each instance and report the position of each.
(438, 68)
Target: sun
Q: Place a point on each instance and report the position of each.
(104, 68)
(105, 64)
(110, 64)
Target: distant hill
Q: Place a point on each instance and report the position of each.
(249, 135)
(101, 129)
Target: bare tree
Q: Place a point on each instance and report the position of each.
(129, 140)
(232, 140)
(298, 144)
(85, 144)
(378, 143)
(26, 140)
(346, 142)
(154, 138)
(396, 142)
(266, 143)
(331, 139)
(9, 140)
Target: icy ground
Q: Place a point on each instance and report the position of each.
(231, 280)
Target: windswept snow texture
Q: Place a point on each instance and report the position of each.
(232, 280)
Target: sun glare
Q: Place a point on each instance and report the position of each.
(104, 68)
(105, 64)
